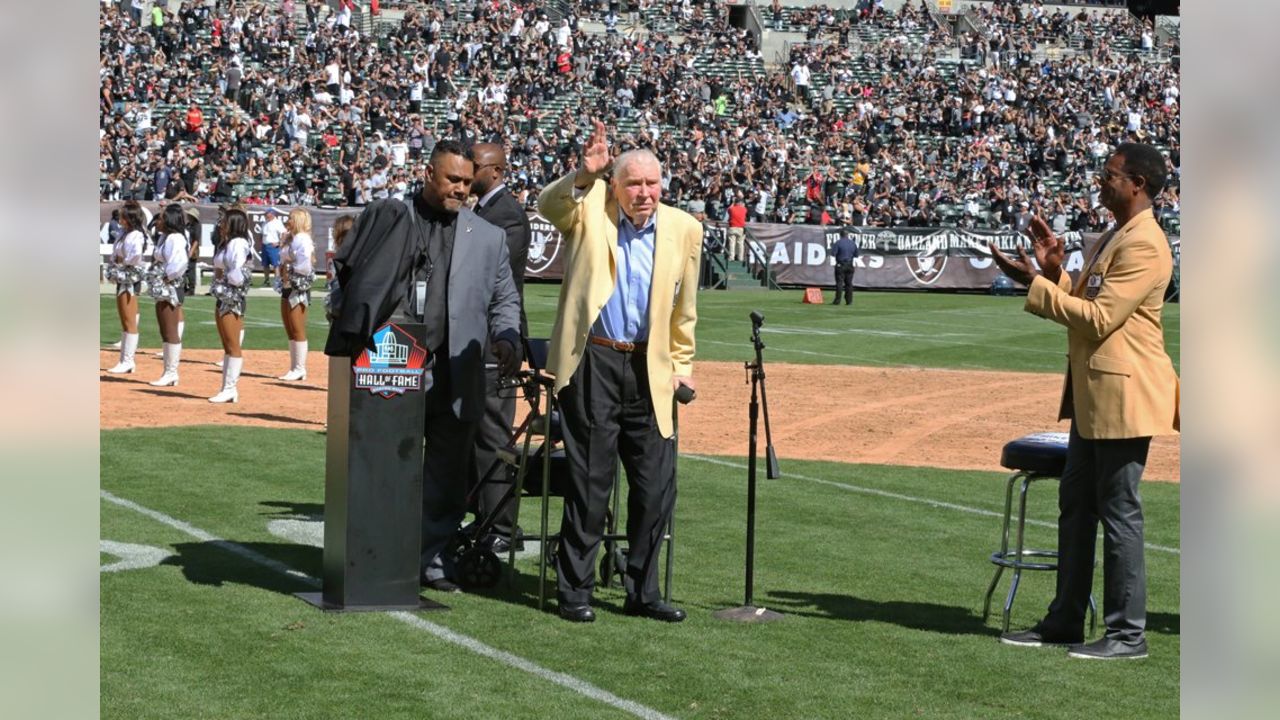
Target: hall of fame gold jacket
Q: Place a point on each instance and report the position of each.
(1120, 382)
(590, 228)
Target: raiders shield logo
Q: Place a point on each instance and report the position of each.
(544, 245)
(926, 269)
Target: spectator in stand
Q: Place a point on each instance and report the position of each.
(738, 230)
(1008, 122)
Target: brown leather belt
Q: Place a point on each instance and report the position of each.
(619, 345)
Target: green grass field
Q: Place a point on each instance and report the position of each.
(879, 570)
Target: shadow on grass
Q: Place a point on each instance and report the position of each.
(1164, 623)
(222, 562)
(931, 617)
(299, 510)
(276, 418)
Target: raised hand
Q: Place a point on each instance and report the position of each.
(1049, 249)
(595, 154)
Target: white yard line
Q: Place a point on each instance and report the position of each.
(569, 682)
(899, 496)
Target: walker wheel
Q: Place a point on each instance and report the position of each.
(479, 568)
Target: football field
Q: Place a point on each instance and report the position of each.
(209, 530)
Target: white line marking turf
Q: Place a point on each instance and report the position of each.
(132, 557)
(569, 682)
(900, 496)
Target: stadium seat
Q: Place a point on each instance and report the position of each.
(1039, 456)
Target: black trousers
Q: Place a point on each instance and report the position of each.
(491, 480)
(1100, 483)
(844, 283)
(446, 461)
(608, 414)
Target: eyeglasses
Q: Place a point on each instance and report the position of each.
(1107, 174)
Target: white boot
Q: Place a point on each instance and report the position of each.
(128, 346)
(182, 325)
(172, 351)
(219, 363)
(297, 361)
(230, 377)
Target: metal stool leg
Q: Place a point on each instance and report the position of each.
(1004, 545)
(1017, 569)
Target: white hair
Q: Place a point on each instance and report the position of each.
(626, 159)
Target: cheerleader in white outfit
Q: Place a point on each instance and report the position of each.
(295, 276)
(231, 277)
(126, 271)
(165, 279)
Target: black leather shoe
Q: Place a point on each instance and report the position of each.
(1039, 637)
(442, 585)
(580, 613)
(656, 610)
(1109, 649)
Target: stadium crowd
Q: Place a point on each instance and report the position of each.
(877, 118)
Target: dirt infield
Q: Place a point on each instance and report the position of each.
(896, 416)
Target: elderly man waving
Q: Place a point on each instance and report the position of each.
(621, 345)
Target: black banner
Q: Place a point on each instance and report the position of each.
(895, 258)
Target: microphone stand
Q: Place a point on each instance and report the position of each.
(748, 612)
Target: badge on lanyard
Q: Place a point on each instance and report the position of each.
(1093, 285)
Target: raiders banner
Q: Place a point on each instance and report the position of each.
(896, 258)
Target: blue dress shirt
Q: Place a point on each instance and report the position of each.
(625, 316)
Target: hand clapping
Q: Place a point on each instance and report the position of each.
(1049, 251)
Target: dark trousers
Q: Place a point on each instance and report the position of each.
(490, 479)
(1100, 482)
(608, 414)
(445, 462)
(844, 283)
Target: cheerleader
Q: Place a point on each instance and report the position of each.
(231, 278)
(295, 277)
(126, 270)
(168, 270)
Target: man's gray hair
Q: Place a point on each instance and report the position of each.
(626, 159)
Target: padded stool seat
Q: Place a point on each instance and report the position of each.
(1043, 453)
(1038, 456)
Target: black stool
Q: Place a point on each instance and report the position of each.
(1038, 456)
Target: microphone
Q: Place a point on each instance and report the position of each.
(685, 395)
(757, 319)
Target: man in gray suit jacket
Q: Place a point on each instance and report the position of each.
(432, 260)
(491, 481)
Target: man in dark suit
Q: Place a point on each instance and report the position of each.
(497, 205)
(429, 259)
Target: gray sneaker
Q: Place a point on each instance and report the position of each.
(1109, 649)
